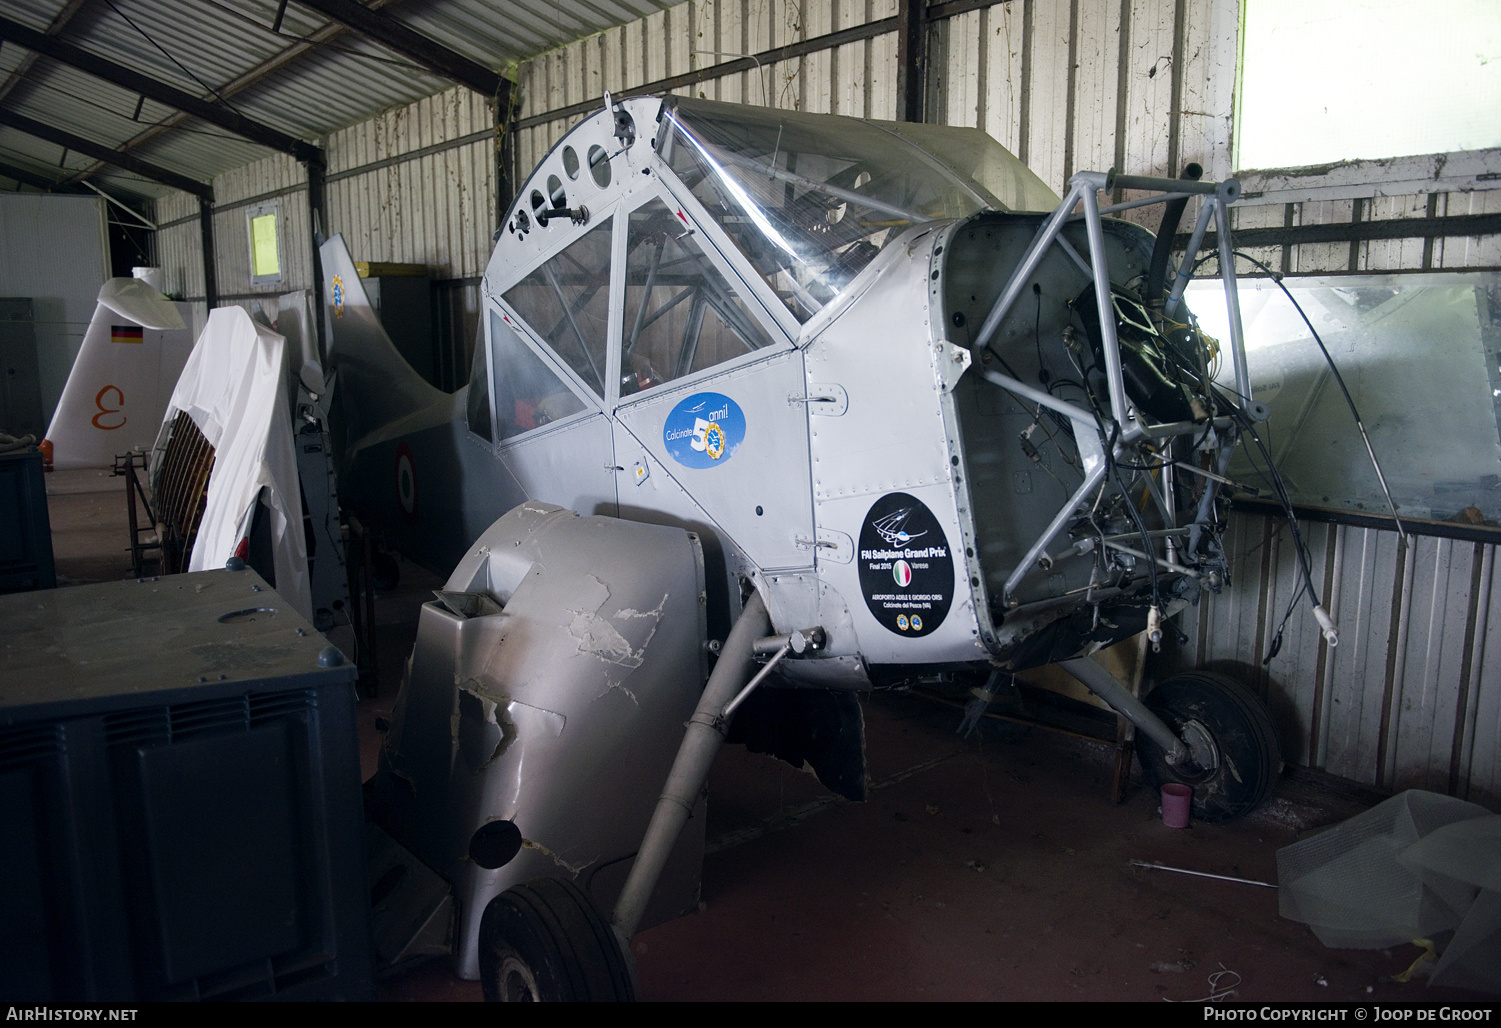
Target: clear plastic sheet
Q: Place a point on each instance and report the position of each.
(1415, 866)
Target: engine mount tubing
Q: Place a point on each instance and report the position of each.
(1226, 189)
(1103, 684)
(690, 770)
(1037, 396)
(1092, 479)
(1232, 304)
(1114, 380)
(1185, 270)
(1023, 272)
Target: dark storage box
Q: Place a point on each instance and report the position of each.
(180, 810)
(25, 530)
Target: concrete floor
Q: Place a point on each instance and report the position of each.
(993, 868)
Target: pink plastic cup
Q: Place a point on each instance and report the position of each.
(1177, 798)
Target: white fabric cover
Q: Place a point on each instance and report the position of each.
(116, 392)
(1419, 865)
(234, 389)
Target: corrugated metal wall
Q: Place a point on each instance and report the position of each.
(1411, 697)
(414, 186)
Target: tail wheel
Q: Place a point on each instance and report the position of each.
(1236, 760)
(546, 942)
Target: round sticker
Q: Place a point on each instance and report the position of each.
(406, 481)
(704, 430)
(906, 571)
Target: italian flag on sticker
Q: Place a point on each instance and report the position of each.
(902, 572)
(125, 333)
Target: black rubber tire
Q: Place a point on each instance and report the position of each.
(545, 941)
(1250, 760)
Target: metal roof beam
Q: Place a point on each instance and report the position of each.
(392, 34)
(100, 152)
(214, 113)
(252, 77)
(31, 178)
(58, 24)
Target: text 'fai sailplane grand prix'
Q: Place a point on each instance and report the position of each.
(793, 405)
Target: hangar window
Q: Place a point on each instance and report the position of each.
(681, 315)
(528, 394)
(265, 243)
(566, 301)
(1397, 81)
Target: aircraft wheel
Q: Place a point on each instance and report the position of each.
(1236, 760)
(544, 941)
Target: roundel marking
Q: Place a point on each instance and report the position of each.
(406, 481)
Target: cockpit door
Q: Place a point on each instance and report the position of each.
(710, 402)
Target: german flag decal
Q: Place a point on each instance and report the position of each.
(125, 333)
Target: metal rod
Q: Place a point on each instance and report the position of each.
(1103, 684)
(149, 224)
(1232, 304)
(1169, 565)
(1114, 380)
(1176, 185)
(1185, 270)
(1091, 479)
(750, 686)
(1019, 277)
(1145, 201)
(1200, 874)
(690, 770)
(1036, 395)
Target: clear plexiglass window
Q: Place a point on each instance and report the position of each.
(1418, 353)
(528, 393)
(477, 403)
(566, 301)
(810, 199)
(681, 314)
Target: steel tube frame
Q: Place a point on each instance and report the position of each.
(1029, 263)
(1232, 304)
(1083, 189)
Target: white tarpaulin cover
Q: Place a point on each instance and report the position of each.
(132, 354)
(1418, 865)
(234, 389)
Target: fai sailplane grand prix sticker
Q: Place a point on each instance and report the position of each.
(704, 431)
(906, 569)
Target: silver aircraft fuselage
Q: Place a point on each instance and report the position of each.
(782, 331)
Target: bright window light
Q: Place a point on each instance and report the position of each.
(1335, 80)
(265, 262)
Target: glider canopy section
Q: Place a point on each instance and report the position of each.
(132, 353)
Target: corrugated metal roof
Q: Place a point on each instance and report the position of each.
(311, 78)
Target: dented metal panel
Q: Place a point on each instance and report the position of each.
(548, 688)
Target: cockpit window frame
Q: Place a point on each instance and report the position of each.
(592, 404)
(714, 249)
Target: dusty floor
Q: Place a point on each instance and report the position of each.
(993, 868)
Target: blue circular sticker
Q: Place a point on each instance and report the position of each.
(704, 430)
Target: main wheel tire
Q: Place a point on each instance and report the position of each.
(544, 941)
(1234, 741)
